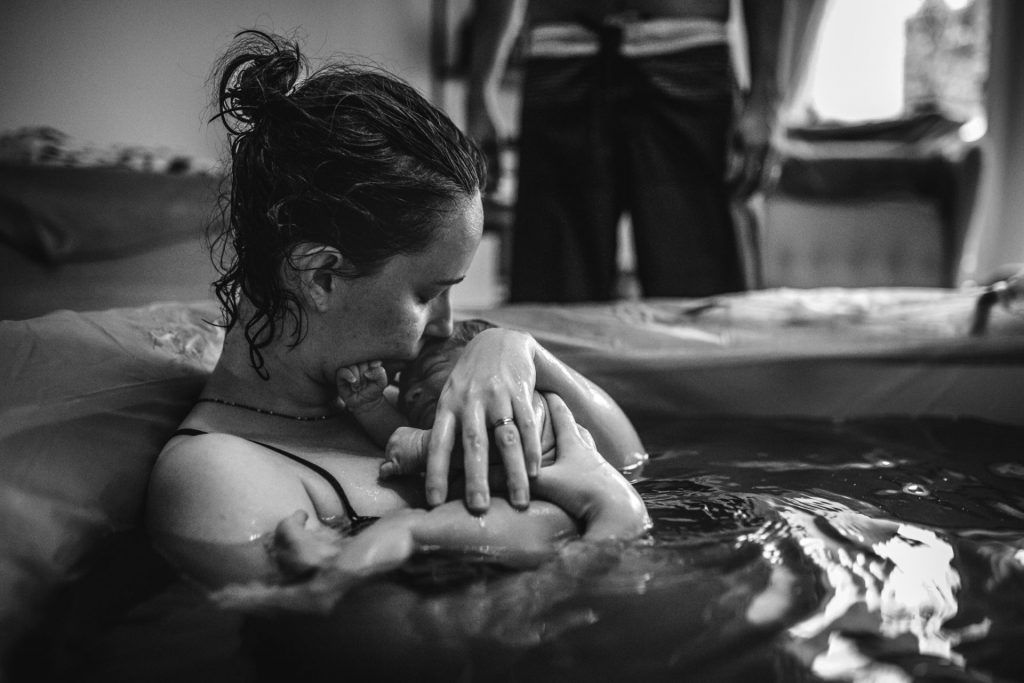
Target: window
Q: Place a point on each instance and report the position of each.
(888, 59)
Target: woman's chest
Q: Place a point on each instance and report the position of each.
(346, 483)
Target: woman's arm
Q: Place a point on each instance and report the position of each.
(212, 500)
(614, 435)
(585, 485)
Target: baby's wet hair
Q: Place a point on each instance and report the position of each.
(463, 331)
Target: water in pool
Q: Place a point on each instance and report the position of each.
(782, 550)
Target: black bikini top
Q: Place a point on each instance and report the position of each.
(358, 521)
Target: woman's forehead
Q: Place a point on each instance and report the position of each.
(446, 258)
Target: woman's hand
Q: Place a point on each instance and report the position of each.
(493, 381)
(586, 486)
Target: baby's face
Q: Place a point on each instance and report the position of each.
(429, 374)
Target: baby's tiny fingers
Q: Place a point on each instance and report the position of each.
(389, 469)
(377, 374)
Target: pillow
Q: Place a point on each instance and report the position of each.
(88, 400)
(62, 214)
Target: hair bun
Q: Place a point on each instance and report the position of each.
(256, 75)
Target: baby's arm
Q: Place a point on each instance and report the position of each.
(361, 388)
(317, 565)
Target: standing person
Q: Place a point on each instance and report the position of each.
(627, 106)
(354, 207)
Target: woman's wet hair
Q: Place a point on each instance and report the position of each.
(346, 155)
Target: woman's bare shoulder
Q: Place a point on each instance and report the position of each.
(220, 488)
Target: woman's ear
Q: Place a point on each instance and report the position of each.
(311, 268)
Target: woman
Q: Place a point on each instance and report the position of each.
(354, 208)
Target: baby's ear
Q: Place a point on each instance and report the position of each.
(312, 269)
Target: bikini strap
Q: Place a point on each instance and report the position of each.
(186, 431)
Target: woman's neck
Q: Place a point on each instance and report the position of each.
(291, 388)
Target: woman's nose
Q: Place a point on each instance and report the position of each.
(440, 323)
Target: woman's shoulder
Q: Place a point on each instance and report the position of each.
(220, 487)
(191, 452)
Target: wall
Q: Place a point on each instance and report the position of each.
(134, 71)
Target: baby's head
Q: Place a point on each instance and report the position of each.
(420, 382)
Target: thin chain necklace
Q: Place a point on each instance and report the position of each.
(265, 411)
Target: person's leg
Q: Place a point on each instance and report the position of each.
(678, 123)
(564, 240)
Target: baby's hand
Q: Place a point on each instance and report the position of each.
(406, 453)
(361, 386)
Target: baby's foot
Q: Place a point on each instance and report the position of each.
(405, 453)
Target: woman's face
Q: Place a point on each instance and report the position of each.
(389, 316)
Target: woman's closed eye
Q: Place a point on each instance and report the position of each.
(426, 297)
(441, 289)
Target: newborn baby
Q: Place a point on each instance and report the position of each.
(404, 432)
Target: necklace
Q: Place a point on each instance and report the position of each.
(264, 411)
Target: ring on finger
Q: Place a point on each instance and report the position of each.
(501, 422)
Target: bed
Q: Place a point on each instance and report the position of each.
(86, 229)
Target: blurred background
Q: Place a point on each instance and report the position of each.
(897, 159)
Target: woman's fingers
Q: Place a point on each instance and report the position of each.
(587, 437)
(528, 428)
(442, 441)
(487, 399)
(506, 437)
(475, 447)
(564, 424)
